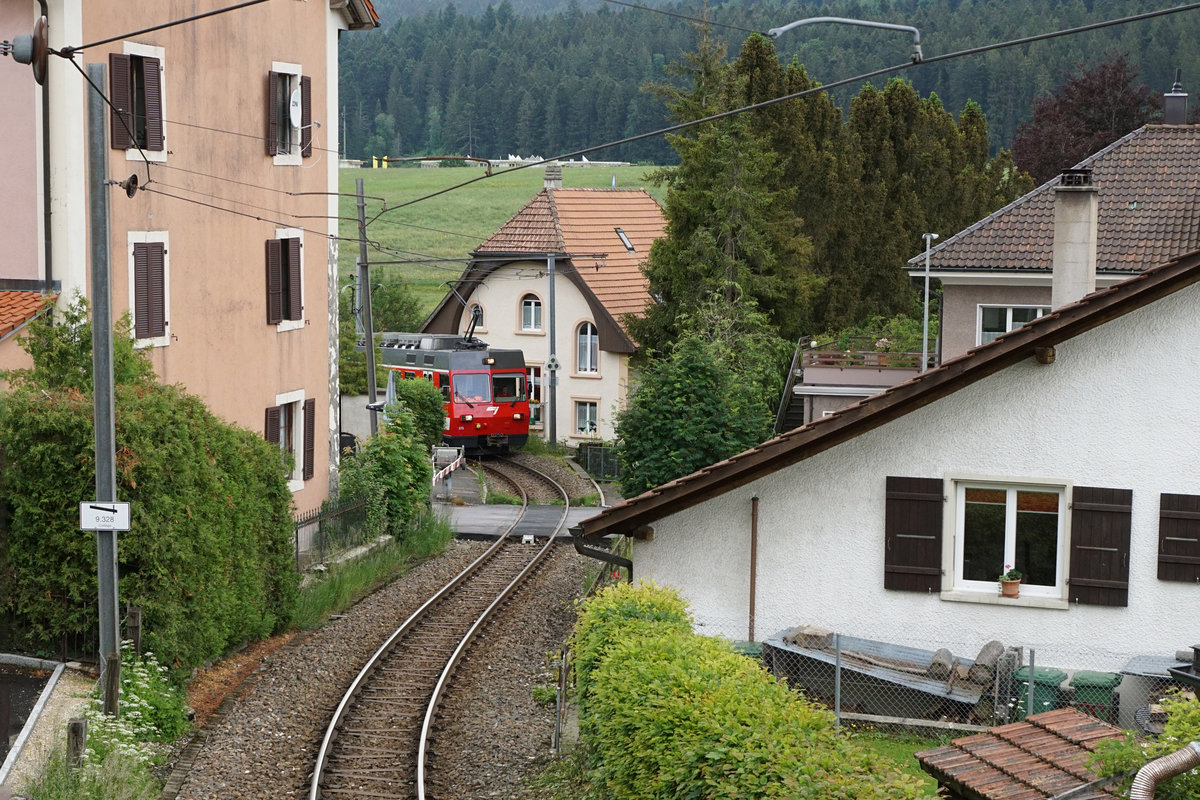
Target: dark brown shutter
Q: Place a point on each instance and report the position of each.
(1179, 537)
(310, 437)
(1100, 525)
(273, 120)
(152, 75)
(305, 116)
(912, 559)
(274, 281)
(271, 431)
(149, 289)
(120, 96)
(295, 299)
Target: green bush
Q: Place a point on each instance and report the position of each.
(669, 714)
(393, 470)
(209, 554)
(424, 401)
(1118, 756)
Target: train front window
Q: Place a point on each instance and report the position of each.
(472, 387)
(508, 388)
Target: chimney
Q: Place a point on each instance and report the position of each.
(553, 177)
(1175, 103)
(1074, 237)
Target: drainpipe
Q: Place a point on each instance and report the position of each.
(606, 556)
(753, 560)
(46, 234)
(1159, 769)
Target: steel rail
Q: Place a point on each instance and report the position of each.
(368, 669)
(444, 679)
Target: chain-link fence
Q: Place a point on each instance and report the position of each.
(600, 460)
(880, 684)
(336, 527)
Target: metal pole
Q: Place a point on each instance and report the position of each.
(837, 680)
(1029, 690)
(102, 365)
(364, 296)
(753, 561)
(552, 364)
(929, 237)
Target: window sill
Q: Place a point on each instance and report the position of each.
(141, 156)
(295, 485)
(994, 599)
(587, 376)
(289, 325)
(523, 332)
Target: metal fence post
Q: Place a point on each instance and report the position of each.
(1030, 686)
(837, 680)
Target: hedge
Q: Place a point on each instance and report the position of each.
(666, 713)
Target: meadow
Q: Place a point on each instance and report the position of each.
(435, 234)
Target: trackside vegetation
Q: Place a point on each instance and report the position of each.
(209, 554)
(665, 713)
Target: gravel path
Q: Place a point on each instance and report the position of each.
(264, 744)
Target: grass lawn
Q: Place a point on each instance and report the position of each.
(900, 749)
(449, 225)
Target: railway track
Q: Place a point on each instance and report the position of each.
(378, 742)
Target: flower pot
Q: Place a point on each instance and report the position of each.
(1010, 588)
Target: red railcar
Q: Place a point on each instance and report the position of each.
(484, 388)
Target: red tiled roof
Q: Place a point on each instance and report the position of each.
(1148, 195)
(1045, 755)
(581, 223)
(17, 308)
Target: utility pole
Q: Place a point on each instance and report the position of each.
(364, 297)
(552, 365)
(102, 376)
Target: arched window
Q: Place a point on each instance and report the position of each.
(531, 313)
(587, 350)
(475, 314)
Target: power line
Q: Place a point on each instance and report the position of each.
(684, 16)
(212, 196)
(256, 137)
(167, 165)
(797, 95)
(434, 230)
(69, 52)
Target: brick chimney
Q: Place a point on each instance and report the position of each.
(553, 177)
(1074, 237)
(1175, 103)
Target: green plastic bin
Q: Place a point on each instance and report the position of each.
(1047, 695)
(1094, 693)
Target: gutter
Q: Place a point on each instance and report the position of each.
(607, 556)
(46, 232)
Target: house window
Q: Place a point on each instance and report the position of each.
(994, 321)
(587, 348)
(531, 313)
(475, 317)
(999, 526)
(1179, 537)
(291, 424)
(285, 304)
(289, 114)
(534, 374)
(624, 239)
(585, 418)
(135, 91)
(148, 287)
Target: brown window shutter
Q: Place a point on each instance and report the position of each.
(141, 291)
(295, 298)
(152, 74)
(912, 559)
(120, 96)
(310, 436)
(1100, 525)
(305, 116)
(273, 120)
(149, 290)
(1179, 537)
(274, 281)
(271, 429)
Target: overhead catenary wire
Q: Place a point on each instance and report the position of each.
(167, 165)
(666, 13)
(866, 76)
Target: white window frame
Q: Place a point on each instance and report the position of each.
(293, 157)
(534, 383)
(954, 543)
(293, 324)
(146, 50)
(594, 418)
(1008, 317)
(482, 326)
(294, 400)
(535, 303)
(591, 365)
(148, 237)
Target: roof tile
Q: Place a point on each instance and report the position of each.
(17, 308)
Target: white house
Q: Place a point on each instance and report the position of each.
(1067, 447)
(556, 281)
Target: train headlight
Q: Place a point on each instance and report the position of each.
(518, 416)
(468, 417)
